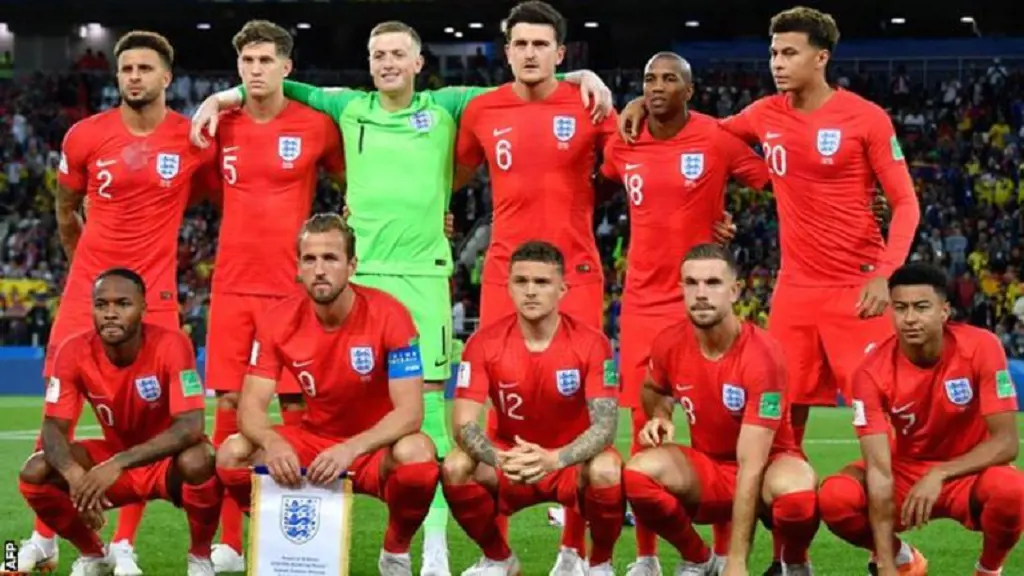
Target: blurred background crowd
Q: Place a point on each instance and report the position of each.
(961, 132)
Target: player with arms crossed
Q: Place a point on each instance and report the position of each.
(945, 391)
(134, 165)
(355, 353)
(743, 462)
(142, 384)
(270, 152)
(397, 202)
(675, 176)
(553, 380)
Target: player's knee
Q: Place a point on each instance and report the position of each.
(839, 497)
(227, 400)
(788, 475)
(196, 463)
(234, 452)
(414, 449)
(1002, 489)
(651, 463)
(457, 468)
(35, 470)
(605, 470)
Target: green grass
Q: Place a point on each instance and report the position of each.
(163, 536)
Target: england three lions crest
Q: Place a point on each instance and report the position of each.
(361, 358)
(168, 165)
(828, 141)
(568, 381)
(691, 165)
(564, 128)
(289, 148)
(300, 518)
(959, 391)
(148, 388)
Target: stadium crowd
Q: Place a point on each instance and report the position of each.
(962, 136)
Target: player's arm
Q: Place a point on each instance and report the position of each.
(873, 428)
(471, 390)
(259, 388)
(890, 168)
(656, 395)
(607, 180)
(745, 166)
(186, 430)
(72, 177)
(602, 390)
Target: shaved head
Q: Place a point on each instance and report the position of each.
(668, 87)
(683, 67)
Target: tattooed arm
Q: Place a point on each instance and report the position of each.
(468, 434)
(57, 448)
(69, 221)
(604, 422)
(186, 431)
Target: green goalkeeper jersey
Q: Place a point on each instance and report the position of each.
(399, 171)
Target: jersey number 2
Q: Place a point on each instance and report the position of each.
(106, 179)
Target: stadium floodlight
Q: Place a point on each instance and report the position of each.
(898, 20)
(203, 26)
(303, 25)
(83, 32)
(458, 34)
(692, 24)
(590, 24)
(967, 19)
(449, 30)
(476, 25)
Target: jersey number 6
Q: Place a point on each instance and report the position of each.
(503, 154)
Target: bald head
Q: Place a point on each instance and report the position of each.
(677, 62)
(668, 86)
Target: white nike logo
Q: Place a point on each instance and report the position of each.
(680, 388)
(301, 364)
(105, 163)
(500, 131)
(507, 384)
(903, 408)
(95, 396)
(230, 148)
(771, 135)
(633, 166)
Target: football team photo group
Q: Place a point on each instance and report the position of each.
(331, 351)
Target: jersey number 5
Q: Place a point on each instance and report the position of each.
(510, 403)
(503, 154)
(230, 170)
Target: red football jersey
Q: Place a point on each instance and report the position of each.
(938, 413)
(540, 396)
(269, 175)
(132, 403)
(344, 372)
(138, 188)
(676, 192)
(745, 386)
(541, 158)
(824, 166)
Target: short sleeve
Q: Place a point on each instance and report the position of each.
(995, 386)
(473, 382)
(883, 147)
(659, 365)
(455, 99)
(206, 182)
(401, 343)
(469, 152)
(179, 360)
(63, 393)
(868, 412)
(602, 377)
(332, 159)
(744, 165)
(764, 379)
(608, 169)
(73, 172)
(265, 358)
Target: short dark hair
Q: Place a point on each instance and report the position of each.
(396, 26)
(921, 274)
(260, 31)
(711, 251)
(328, 222)
(126, 273)
(821, 29)
(535, 12)
(539, 251)
(146, 39)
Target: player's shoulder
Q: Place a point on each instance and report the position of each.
(768, 103)
(74, 347)
(177, 120)
(378, 302)
(760, 342)
(494, 335)
(584, 334)
(879, 359)
(852, 102)
(675, 336)
(92, 126)
(282, 313)
(497, 98)
(970, 340)
(161, 337)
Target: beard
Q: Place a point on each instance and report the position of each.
(705, 321)
(139, 102)
(129, 332)
(329, 297)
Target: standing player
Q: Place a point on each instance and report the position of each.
(270, 151)
(136, 169)
(946, 391)
(397, 204)
(675, 176)
(730, 379)
(553, 380)
(142, 384)
(356, 354)
(541, 151)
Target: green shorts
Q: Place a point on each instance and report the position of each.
(429, 301)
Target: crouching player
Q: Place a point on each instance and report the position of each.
(553, 381)
(143, 386)
(355, 353)
(744, 462)
(945, 392)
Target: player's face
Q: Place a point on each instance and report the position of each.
(142, 77)
(117, 309)
(262, 69)
(919, 313)
(795, 63)
(536, 288)
(533, 52)
(710, 290)
(395, 61)
(324, 266)
(666, 89)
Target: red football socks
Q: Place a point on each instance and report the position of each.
(128, 519)
(646, 539)
(795, 522)
(408, 492)
(665, 515)
(238, 484)
(1000, 491)
(476, 511)
(43, 530)
(53, 506)
(201, 503)
(574, 533)
(722, 535)
(225, 424)
(604, 509)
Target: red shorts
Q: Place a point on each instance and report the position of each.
(636, 334)
(822, 339)
(584, 302)
(232, 329)
(717, 484)
(136, 485)
(72, 320)
(562, 487)
(365, 471)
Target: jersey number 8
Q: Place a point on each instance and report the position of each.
(503, 154)
(687, 405)
(635, 188)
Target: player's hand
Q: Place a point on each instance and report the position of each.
(917, 508)
(92, 488)
(329, 464)
(597, 97)
(724, 231)
(656, 431)
(631, 118)
(449, 225)
(529, 462)
(874, 297)
(94, 519)
(283, 463)
(880, 208)
(204, 121)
